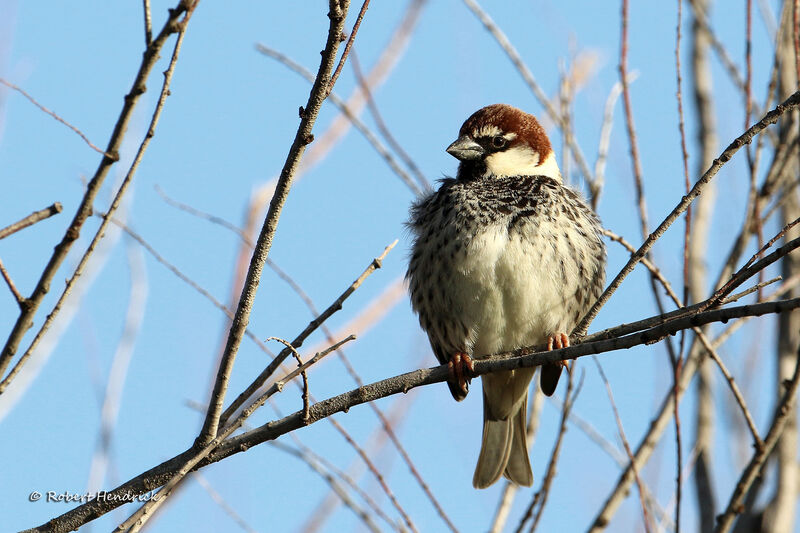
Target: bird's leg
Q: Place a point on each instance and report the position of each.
(461, 368)
(556, 342)
(552, 371)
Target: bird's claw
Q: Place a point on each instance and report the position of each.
(558, 341)
(461, 370)
(552, 371)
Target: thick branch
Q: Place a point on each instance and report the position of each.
(159, 475)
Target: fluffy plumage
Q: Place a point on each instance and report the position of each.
(504, 256)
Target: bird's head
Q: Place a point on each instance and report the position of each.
(501, 140)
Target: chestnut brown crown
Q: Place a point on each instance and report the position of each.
(508, 141)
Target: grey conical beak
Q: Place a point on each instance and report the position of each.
(465, 149)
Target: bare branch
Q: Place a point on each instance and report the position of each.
(148, 24)
(298, 341)
(550, 473)
(347, 112)
(760, 455)
(384, 129)
(31, 219)
(770, 118)
(25, 320)
(647, 520)
(337, 14)
(32, 100)
(13, 288)
(138, 519)
(348, 46)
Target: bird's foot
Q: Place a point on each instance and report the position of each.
(558, 341)
(461, 369)
(552, 371)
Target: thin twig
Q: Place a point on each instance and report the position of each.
(724, 57)
(757, 287)
(759, 458)
(303, 375)
(111, 398)
(375, 472)
(13, 288)
(347, 112)
(190, 282)
(605, 138)
(385, 423)
(220, 501)
(330, 336)
(750, 268)
(202, 214)
(32, 100)
(315, 463)
(677, 362)
(707, 345)
(325, 509)
(298, 341)
(615, 454)
(384, 129)
(631, 129)
(309, 456)
(388, 59)
(348, 46)
(550, 473)
(512, 53)
(796, 37)
(31, 219)
(621, 430)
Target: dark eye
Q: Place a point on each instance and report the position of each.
(499, 142)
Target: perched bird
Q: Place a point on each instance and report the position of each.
(504, 256)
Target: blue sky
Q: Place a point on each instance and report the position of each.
(224, 133)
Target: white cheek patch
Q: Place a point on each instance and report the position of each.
(516, 161)
(549, 168)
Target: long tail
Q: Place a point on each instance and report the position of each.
(504, 449)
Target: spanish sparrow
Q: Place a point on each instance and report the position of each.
(504, 256)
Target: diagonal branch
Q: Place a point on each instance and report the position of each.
(308, 116)
(753, 468)
(32, 100)
(770, 118)
(298, 341)
(31, 219)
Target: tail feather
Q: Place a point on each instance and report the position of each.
(518, 468)
(504, 449)
(495, 450)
